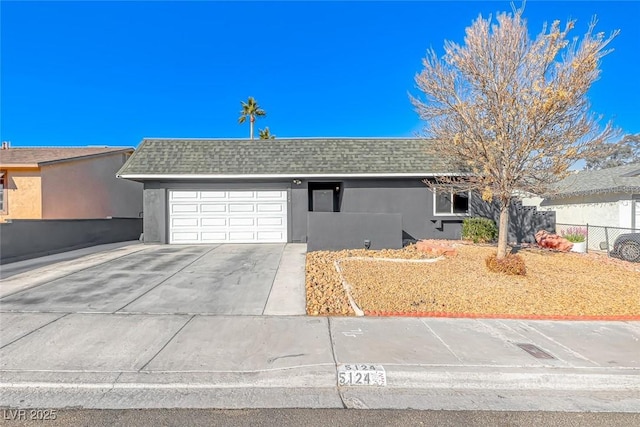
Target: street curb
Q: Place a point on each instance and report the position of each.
(468, 379)
(376, 313)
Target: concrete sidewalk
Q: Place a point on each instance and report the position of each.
(53, 360)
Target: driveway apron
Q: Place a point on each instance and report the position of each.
(230, 279)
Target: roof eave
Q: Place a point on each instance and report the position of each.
(19, 166)
(614, 190)
(88, 156)
(135, 176)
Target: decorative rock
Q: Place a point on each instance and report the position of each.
(553, 241)
(435, 248)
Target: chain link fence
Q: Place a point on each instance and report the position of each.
(601, 239)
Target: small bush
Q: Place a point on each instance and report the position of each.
(479, 230)
(511, 265)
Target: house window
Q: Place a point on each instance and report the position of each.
(3, 192)
(451, 203)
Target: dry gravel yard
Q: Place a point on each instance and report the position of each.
(556, 284)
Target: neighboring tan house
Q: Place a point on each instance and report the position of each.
(66, 183)
(606, 197)
(330, 193)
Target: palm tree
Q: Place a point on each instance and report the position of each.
(266, 133)
(252, 110)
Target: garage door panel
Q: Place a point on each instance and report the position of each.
(213, 222)
(213, 207)
(184, 222)
(242, 207)
(213, 195)
(241, 236)
(242, 222)
(242, 195)
(213, 236)
(184, 236)
(184, 195)
(270, 207)
(277, 195)
(183, 208)
(268, 236)
(270, 221)
(239, 216)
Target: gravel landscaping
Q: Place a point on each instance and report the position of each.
(556, 284)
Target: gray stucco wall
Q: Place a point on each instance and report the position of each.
(410, 198)
(30, 238)
(339, 230)
(299, 209)
(155, 215)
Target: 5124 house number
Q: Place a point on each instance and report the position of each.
(361, 374)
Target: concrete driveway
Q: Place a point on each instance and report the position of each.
(162, 279)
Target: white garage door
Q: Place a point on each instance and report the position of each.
(227, 216)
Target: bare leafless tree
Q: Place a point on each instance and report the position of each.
(623, 152)
(510, 110)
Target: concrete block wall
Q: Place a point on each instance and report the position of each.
(25, 239)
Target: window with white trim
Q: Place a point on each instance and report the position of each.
(451, 202)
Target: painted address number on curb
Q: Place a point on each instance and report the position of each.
(361, 374)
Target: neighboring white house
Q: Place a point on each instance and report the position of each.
(607, 197)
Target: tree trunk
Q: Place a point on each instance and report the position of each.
(251, 120)
(503, 230)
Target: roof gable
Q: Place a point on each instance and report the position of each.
(245, 158)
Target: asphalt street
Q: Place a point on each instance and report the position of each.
(322, 417)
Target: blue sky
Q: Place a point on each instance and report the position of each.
(111, 73)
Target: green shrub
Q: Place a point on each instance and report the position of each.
(511, 264)
(479, 230)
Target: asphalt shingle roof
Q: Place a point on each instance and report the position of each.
(283, 157)
(40, 156)
(620, 179)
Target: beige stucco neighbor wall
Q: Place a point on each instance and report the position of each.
(89, 189)
(23, 195)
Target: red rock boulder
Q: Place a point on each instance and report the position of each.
(436, 248)
(553, 241)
